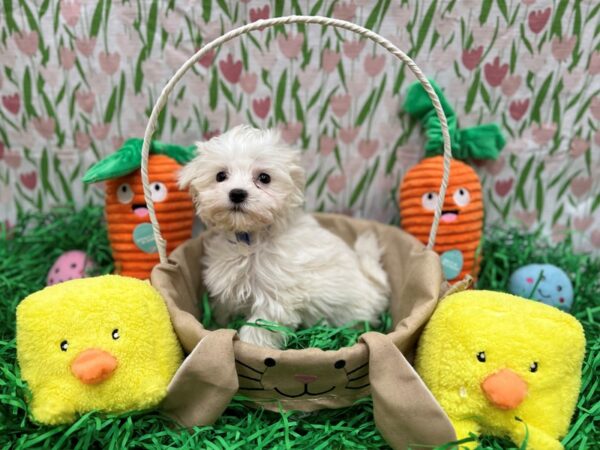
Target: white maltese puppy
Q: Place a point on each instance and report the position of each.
(263, 256)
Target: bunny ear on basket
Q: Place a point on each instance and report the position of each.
(129, 159)
(478, 142)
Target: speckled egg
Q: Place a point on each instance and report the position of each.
(69, 266)
(554, 287)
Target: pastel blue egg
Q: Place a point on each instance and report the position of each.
(554, 287)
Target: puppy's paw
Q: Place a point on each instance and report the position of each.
(262, 337)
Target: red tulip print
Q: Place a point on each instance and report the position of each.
(326, 144)
(511, 85)
(583, 223)
(291, 45)
(44, 126)
(12, 159)
(207, 59)
(117, 142)
(67, 58)
(231, 69)
(503, 187)
(100, 130)
(518, 108)
(563, 47)
(248, 82)
(27, 42)
(12, 103)
(538, 19)
(261, 107)
(581, 186)
(348, 134)
(527, 218)
(367, 148)
(594, 64)
(70, 11)
(330, 60)
(472, 58)
(290, 132)
(109, 62)
(595, 107)
(374, 64)
(208, 135)
(578, 147)
(353, 48)
(494, 72)
(340, 104)
(494, 167)
(542, 134)
(82, 140)
(85, 45)
(596, 238)
(336, 183)
(29, 180)
(259, 13)
(86, 100)
(344, 10)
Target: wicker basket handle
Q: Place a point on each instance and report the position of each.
(261, 24)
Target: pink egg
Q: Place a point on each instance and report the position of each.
(69, 266)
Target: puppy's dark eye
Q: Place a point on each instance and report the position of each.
(340, 364)
(64, 346)
(115, 334)
(264, 178)
(221, 176)
(481, 356)
(269, 362)
(533, 367)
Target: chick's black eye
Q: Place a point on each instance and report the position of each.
(269, 362)
(559, 288)
(533, 367)
(64, 346)
(481, 356)
(340, 364)
(115, 334)
(221, 176)
(264, 178)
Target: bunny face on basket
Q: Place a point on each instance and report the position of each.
(244, 180)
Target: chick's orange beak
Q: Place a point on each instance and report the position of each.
(505, 389)
(93, 366)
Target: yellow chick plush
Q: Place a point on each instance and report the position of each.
(103, 344)
(500, 365)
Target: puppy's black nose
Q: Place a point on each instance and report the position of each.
(237, 195)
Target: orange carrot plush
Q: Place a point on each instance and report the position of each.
(129, 227)
(461, 223)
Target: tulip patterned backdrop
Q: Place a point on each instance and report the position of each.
(78, 77)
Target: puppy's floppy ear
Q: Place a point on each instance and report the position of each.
(188, 172)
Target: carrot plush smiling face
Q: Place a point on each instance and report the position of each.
(129, 227)
(461, 222)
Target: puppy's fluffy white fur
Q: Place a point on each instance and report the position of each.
(285, 268)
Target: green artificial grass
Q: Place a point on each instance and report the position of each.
(28, 251)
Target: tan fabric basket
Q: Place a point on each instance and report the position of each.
(218, 365)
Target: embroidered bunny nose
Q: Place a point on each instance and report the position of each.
(305, 379)
(237, 195)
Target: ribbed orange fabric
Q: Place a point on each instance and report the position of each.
(464, 232)
(175, 215)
